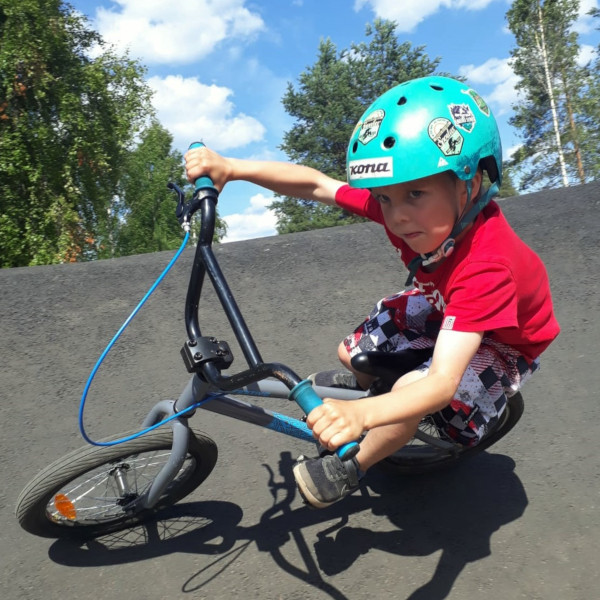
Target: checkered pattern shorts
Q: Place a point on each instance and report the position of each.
(497, 371)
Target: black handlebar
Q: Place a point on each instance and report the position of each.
(205, 200)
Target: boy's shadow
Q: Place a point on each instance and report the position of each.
(455, 511)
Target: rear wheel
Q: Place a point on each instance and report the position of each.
(96, 489)
(422, 456)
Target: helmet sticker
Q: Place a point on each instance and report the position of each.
(446, 137)
(371, 168)
(481, 105)
(463, 116)
(370, 126)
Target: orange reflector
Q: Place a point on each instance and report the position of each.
(65, 507)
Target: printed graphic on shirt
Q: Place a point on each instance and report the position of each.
(370, 126)
(463, 116)
(431, 293)
(481, 105)
(448, 323)
(446, 137)
(367, 168)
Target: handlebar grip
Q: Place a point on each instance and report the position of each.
(304, 395)
(205, 182)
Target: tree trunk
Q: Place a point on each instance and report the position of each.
(550, 89)
(576, 147)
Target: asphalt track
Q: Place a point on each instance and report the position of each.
(520, 521)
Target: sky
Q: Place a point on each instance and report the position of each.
(219, 68)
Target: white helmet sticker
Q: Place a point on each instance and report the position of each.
(446, 137)
(369, 128)
(368, 168)
(463, 116)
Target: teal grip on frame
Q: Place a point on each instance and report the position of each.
(203, 183)
(304, 395)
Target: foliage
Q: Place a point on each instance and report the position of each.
(557, 115)
(144, 213)
(507, 189)
(66, 120)
(330, 98)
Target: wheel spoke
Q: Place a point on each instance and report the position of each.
(95, 491)
(96, 496)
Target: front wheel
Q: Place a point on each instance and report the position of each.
(95, 489)
(422, 456)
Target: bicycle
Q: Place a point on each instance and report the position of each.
(124, 480)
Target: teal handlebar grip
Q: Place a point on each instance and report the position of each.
(304, 395)
(203, 183)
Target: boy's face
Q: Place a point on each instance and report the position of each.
(423, 212)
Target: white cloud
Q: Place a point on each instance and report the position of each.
(495, 72)
(587, 53)
(498, 73)
(191, 109)
(409, 13)
(168, 32)
(509, 152)
(585, 23)
(256, 221)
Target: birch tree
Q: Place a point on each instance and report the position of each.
(66, 121)
(552, 88)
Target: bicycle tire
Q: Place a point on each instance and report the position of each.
(424, 458)
(86, 479)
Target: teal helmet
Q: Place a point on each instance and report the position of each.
(423, 127)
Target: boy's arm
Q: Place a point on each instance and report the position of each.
(337, 422)
(282, 178)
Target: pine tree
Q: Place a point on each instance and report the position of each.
(329, 99)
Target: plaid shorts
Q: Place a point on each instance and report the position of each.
(497, 371)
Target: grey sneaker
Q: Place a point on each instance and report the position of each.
(323, 481)
(336, 379)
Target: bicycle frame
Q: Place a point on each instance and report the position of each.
(206, 356)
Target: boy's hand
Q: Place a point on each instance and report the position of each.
(336, 422)
(201, 162)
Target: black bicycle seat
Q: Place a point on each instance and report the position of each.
(390, 366)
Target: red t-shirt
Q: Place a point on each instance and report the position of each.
(492, 282)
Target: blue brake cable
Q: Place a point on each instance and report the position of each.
(108, 348)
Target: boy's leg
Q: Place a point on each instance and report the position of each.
(399, 322)
(323, 481)
(381, 442)
(363, 380)
(403, 321)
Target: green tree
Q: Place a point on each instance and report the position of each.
(144, 215)
(553, 116)
(507, 189)
(590, 117)
(329, 99)
(66, 122)
(144, 212)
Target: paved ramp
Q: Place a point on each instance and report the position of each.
(520, 521)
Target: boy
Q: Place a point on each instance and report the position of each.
(480, 297)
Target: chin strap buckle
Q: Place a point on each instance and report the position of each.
(446, 249)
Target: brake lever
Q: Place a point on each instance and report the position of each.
(180, 211)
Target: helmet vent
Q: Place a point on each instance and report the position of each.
(437, 88)
(402, 101)
(389, 142)
(354, 147)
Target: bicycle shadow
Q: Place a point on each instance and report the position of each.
(455, 511)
